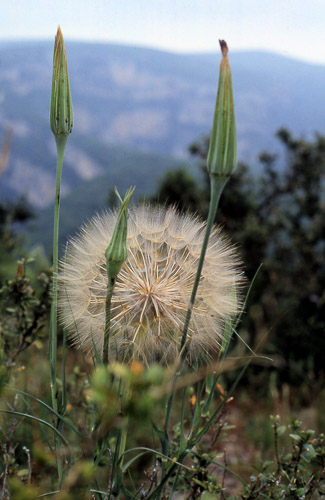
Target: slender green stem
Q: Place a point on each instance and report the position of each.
(123, 441)
(118, 456)
(165, 446)
(109, 293)
(169, 409)
(217, 184)
(63, 364)
(60, 144)
(125, 395)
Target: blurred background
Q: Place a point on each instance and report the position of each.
(143, 79)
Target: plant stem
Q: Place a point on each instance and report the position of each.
(216, 185)
(60, 145)
(165, 445)
(109, 293)
(124, 434)
(117, 472)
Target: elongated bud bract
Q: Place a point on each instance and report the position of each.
(116, 252)
(61, 113)
(222, 155)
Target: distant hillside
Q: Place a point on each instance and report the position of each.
(142, 99)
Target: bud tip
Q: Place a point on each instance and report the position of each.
(61, 113)
(223, 47)
(58, 36)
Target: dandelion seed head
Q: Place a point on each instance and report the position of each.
(153, 288)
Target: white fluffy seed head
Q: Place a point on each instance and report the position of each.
(153, 288)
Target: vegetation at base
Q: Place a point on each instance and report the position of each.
(276, 218)
(201, 465)
(297, 471)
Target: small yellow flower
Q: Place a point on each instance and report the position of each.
(220, 389)
(152, 289)
(136, 368)
(193, 400)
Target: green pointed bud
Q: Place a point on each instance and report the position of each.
(222, 155)
(116, 253)
(61, 114)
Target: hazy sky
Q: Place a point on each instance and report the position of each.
(290, 27)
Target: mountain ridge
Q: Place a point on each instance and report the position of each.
(119, 45)
(146, 99)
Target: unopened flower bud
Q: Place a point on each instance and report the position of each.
(222, 155)
(116, 253)
(61, 114)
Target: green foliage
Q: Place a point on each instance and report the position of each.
(11, 244)
(21, 491)
(297, 472)
(179, 188)
(116, 398)
(276, 218)
(23, 313)
(139, 387)
(119, 398)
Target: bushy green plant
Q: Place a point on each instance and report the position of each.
(23, 312)
(11, 244)
(298, 468)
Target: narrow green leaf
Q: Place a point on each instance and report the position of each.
(100, 492)
(48, 494)
(40, 421)
(163, 437)
(130, 462)
(183, 440)
(67, 422)
(149, 450)
(212, 381)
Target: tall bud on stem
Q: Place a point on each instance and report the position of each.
(221, 163)
(222, 155)
(116, 254)
(61, 122)
(61, 113)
